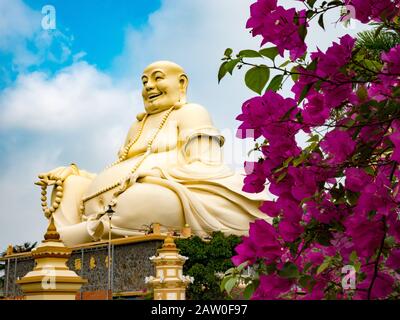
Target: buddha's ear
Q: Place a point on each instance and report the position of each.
(183, 82)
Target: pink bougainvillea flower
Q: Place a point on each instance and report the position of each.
(382, 286)
(265, 237)
(252, 118)
(246, 251)
(394, 259)
(254, 181)
(279, 26)
(337, 87)
(315, 111)
(336, 56)
(263, 115)
(395, 138)
(290, 230)
(394, 227)
(270, 208)
(324, 212)
(290, 208)
(367, 10)
(262, 242)
(375, 198)
(271, 287)
(305, 184)
(392, 61)
(258, 12)
(366, 235)
(339, 145)
(357, 179)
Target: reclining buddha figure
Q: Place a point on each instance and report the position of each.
(169, 171)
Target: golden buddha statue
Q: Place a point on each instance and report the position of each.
(170, 171)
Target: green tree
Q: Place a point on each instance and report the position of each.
(206, 260)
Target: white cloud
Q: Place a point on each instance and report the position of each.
(77, 97)
(22, 36)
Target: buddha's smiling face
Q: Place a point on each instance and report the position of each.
(164, 85)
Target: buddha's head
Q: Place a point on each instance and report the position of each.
(164, 85)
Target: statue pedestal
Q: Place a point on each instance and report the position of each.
(51, 279)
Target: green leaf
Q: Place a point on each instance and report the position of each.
(228, 52)
(321, 21)
(275, 83)
(306, 282)
(270, 268)
(281, 177)
(223, 282)
(310, 14)
(353, 256)
(285, 64)
(362, 93)
(324, 238)
(248, 292)
(256, 78)
(335, 3)
(287, 161)
(298, 160)
(390, 241)
(222, 71)
(269, 52)
(230, 284)
(294, 74)
(313, 65)
(302, 31)
(305, 91)
(314, 138)
(307, 266)
(230, 65)
(311, 2)
(249, 54)
(243, 265)
(289, 271)
(230, 271)
(352, 197)
(325, 265)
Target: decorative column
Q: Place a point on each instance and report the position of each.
(169, 282)
(51, 279)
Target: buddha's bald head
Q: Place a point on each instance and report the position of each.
(164, 85)
(167, 65)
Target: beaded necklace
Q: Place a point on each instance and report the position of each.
(124, 156)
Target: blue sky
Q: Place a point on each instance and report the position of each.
(70, 94)
(96, 28)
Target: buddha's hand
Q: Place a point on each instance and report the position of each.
(57, 175)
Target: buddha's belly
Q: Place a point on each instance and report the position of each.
(119, 172)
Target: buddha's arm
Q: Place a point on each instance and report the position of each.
(203, 148)
(199, 146)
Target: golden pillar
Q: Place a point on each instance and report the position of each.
(169, 282)
(51, 279)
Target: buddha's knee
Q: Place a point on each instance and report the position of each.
(147, 203)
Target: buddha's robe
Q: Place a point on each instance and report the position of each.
(183, 181)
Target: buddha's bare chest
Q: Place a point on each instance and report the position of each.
(164, 138)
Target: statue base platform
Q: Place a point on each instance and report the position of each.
(130, 265)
